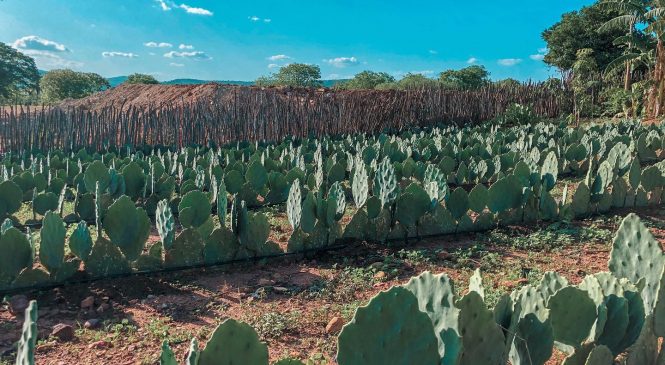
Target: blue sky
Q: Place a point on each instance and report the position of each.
(241, 40)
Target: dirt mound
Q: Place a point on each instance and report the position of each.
(141, 96)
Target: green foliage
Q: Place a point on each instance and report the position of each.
(137, 78)
(294, 75)
(579, 30)
(194, 209)
(17, 254)
(468, 78)
(18, 73)
(367, 80)
(58, 85)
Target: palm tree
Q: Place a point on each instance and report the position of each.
(655, 17)
(631, 13)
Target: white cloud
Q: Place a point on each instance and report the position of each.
(195, 55)
(167, 5)
(431, 51)
(273, 65)
(509, 61)
(158, 45)
(195, 11)
(537, 57)
(279, 57)
(472, 60)
(119, 54)
(342, 61)
(176, 64)
(163, 5)
(35, 43)
(542, 50)
(255, 18)
(185, 46)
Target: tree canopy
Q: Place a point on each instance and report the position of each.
(18, 72)
(58, 85)
(141, 79)
(472, 77)
(579, 30)
(295, 75)
(367, 80)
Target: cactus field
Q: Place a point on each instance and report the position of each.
(488, 244)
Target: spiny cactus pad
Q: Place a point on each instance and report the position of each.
(482, 339)
(571, 327)
(127, 226)
(232, 343)
(194, 209)
(52, 246)
(436, 297)
(390, 329)
(25, 353)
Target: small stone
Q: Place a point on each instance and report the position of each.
(335, 325)
(99, 345)
(92, 323)
(280, 289)
(103, 307)
(522, 281)
(150, 296)
(18, 304)
(376, 265)
(88, 302)
(164, 306)
(380, 275)
(265, 282)
(443, 255)
(63, 332)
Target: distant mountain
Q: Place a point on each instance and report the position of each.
(117, 80)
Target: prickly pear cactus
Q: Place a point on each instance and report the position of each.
(294, 205)
(167, 357)
(337, 198)
(476, 283)
(360, 185)
(390, 329)
(52, 246)
(234, 342)
(80, 242)
(194, 209)
(385, 183)
(636, 255)
(127, 226)
(482, 339)
(17, 254)
(105, 259)
(436, 297)
(532, 342)
(25, 353)
(222, 203)
(95, 173)
(165, 224)
(571, 327)
(10, 198)
(549, 171)
(187, 250)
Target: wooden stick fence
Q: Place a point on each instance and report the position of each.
(261, 114)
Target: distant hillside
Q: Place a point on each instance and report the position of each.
(117, 80)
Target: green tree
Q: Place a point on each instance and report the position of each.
(141, 79)
(580, 30)
(472, 77)
(509, 82)
(416, 81)
(367, 80)
(295, 75)
(58, 85)
(18, 73)
(585, 84)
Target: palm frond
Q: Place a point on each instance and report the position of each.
(623, 21)
(621, 61)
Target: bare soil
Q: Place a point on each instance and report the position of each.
(290, 301)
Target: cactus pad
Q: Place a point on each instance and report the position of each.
(232, 343)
